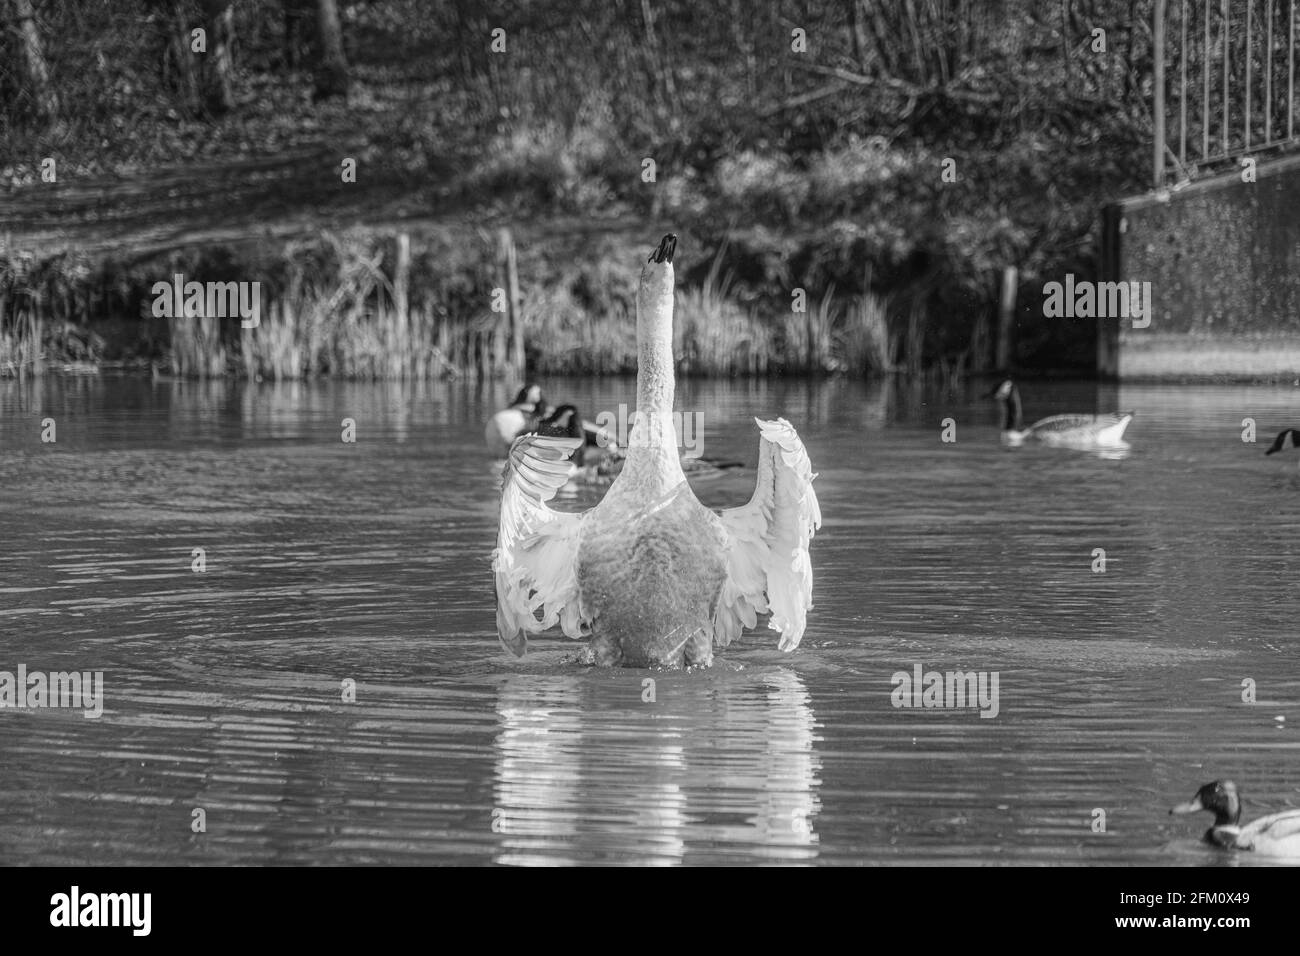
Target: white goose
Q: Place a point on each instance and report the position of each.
(1075, 431)
(650, 574)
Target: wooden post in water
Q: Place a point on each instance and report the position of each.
(1006, 317)
(514, 358)
(401, 301)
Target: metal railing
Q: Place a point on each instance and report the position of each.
(1234, 52)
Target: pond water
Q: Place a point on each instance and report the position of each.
(1119, 691)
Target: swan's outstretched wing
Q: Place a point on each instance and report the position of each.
(767, 559)
(536, 558)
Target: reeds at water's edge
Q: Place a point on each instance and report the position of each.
(330, 307)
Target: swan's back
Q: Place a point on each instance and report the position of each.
(650, 568)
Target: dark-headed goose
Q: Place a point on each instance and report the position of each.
(1074, 431)
(1290, 438)
(522, 416)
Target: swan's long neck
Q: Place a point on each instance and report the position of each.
(654, 338)
(654, 439)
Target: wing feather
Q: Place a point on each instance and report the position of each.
(536, 558)
(767, 560)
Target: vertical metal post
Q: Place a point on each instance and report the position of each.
(1205, 94)
(1290, 76)
(1268, 80)
(1158, 45)
(1249, 6)
(1227, 39)
(1182, 90)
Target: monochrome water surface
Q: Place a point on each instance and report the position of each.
(1120, 691)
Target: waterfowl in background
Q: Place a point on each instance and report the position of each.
(600, 457)
(1289, 438)
(598, 450)
(649, 573)
(1076, 431)
(1277, 834)
(522, 416)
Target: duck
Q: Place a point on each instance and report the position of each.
(1277, 834)
(1077, 431)
(1287, 438)
(520, 417)
(649, 574)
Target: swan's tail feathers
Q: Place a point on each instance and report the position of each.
(536, 558)
(768, 569)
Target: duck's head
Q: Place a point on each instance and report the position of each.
(530, 398)
(1290, 438)
(1220, 798)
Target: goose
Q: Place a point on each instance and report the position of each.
(1288, 438)
(1078, 431)
(652, 576)
(598, 451)
(523, 414)
(600, 458)
(1277, 834)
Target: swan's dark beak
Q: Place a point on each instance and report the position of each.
(1191, 806)
(667, 246)
(992, 392)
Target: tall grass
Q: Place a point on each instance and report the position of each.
(864, 340)
(713, 335)
(330, 307)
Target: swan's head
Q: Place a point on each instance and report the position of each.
(1220, 798)
(657, 278)
(1284, 440)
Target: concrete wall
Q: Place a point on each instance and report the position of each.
(1223, 260)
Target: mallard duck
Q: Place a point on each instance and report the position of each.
(1077, 431)
(520, 417)
(649, 574)
(1277, 834)
(1288, 438)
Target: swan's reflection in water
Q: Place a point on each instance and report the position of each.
(720, 767)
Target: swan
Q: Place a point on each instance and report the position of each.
(523, 414)
(1288, 438)
(1076, 431)
(652, 576)
(1277, 834)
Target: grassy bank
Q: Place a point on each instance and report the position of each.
(336, 305)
